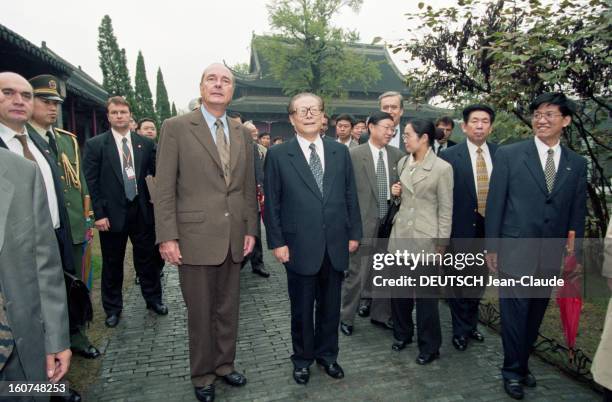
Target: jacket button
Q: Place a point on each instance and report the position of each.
(226, 214)
(476, 210)
(67, 204)
(473, 224)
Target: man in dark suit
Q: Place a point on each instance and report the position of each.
(472, 162)
(115, 165)
(312, 223)
(34, 340)
(536, 196)
(446, 125)
(373, 202)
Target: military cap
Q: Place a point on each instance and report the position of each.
(46, 86)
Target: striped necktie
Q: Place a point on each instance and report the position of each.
(482, 182)
(549, 170)
(223, 149)
(315, 167)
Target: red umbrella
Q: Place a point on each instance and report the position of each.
(569, 296)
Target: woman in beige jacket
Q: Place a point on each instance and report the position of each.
(602, 363)
(422, 225)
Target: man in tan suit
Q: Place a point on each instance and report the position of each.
(206, 220)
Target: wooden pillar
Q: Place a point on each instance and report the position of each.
(72, 118)
(95, 122)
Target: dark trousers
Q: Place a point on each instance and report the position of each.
(64, 243)
(212, 295)
(464, 313)
(256, 256)
(113, 246)
(318, 294)
(520, 321)
(429, 333)
(13, 371)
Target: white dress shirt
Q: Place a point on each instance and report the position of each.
(119, 142)
(395, 141)
(13, 144)
(439, 147)
(305, 144)
(375, 151)
(43, 131)
(486, 154)
(211, 120)
(543, 153)
(348, 143)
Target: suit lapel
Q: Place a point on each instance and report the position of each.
(297, 159)
(532, 161)
(41, 144)
(202, 133)
(563, 172)
(330, 171)
(236, 145)
(425, 168)
(6, 196)
(137, 151)
(465, 169)
(368, 166)
(113, 155)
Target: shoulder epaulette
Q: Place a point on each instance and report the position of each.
(59, 130)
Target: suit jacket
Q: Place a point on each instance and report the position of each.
(45, 150)
(520, 207)
(298, 216)
(30, 266)
(194, 204)
(467, 222)
(102, 168)
(426, 209)
(367, 187)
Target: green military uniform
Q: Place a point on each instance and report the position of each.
(64, 147)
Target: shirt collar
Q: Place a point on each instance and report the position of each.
(543, 148)
(40, 130)
(7, 133)
(119, 138)
(375, 150)
(473, 147)
(304, 143)
(210, 119)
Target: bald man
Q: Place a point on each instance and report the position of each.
(206, 221)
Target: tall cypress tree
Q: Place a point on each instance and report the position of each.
(115, 74)
(173, 109)
(143, 98)
(162, 104)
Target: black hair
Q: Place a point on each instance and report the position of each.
(234, 115)
(263, 134)
(359, 120)
(425, 126)
(478, 107)
(446, 120)
(566, 106)
(346, 117)
(277, 138)
(377, 116)
(143, 120)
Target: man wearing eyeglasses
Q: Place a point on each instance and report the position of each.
(392, 102)
(312, 223)
(206, 222)
(537, 192)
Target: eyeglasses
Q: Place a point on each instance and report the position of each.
(389, 108)
(386, 128)
(303, 111)
(548, 116)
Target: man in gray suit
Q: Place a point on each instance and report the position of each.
(34, 340)
(372, 203)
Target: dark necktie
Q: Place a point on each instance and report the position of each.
(6, 336)
(315, 167)
(549, 170)
(129, 180)
(383, 186)
(23, 139)
(52, 143)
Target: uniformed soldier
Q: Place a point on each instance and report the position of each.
(64, 147)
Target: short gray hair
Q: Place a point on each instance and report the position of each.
(389, 94)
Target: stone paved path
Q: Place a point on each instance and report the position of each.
(147, 358)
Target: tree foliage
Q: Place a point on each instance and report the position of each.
(162, 104)
(307, 53)
(174, 113)
(113, 63)
(506, 53)
(143, 98)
